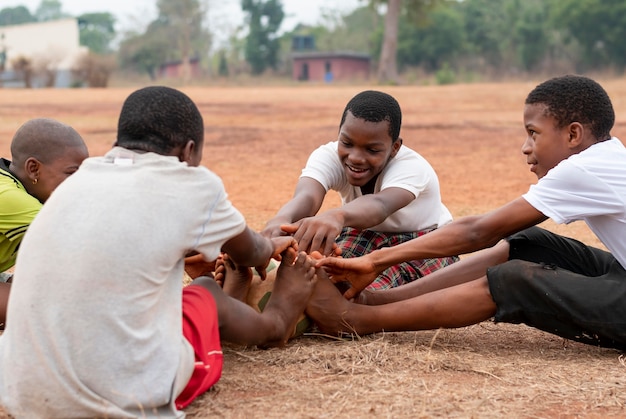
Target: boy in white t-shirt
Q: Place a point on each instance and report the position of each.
(390, 194)
(118, 335)
(525, 274)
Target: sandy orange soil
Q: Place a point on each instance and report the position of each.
(258, 139)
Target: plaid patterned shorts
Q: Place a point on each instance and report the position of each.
(355, 243)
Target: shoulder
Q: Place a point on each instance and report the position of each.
(409, 161)
(328, 150)
(15, 200)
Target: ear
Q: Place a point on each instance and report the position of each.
(576, 132)
(395, 147)
(186, 153)
(32, 167)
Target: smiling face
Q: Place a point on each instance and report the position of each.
(365, 148)
(546, 144)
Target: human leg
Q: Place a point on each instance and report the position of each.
(355, 242)
(456, 306)
(240, 323)
(467, 269)
(542, 246)
(588, 309)
(239, 277)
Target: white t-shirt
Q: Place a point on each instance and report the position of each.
(588, 186)
(407, 170)
(95, 307)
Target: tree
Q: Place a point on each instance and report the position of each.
(433, 45)
(262, 45)
(417, 10)
(387, 64)
(599, 26)
(531, 32)
(49, 10)
(15, 16)
(145, 52)
(94, 70)
(96, 30)
(184, 20)
(178, 33)
(23, 66)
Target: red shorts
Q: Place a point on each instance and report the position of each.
(201, 329)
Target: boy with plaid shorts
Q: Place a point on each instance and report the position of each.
(118, 335)
(390, 194)
(525, 274)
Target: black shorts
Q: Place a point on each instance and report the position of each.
(561, 286)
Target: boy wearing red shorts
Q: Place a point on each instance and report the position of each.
(118, 335)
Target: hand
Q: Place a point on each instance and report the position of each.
(196, 266)
(316, 233)
(272, 230)
(279, 245)
(359, 272)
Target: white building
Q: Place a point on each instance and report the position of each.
(52, 46)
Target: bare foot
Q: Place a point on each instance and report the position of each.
(295, 281)
(328, 308)
(234, 280)
(342, 286)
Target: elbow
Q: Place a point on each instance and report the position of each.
(480, 236)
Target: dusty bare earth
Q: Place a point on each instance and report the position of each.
(258, 139)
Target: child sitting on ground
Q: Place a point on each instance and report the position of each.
(390, 193)
(525, 274)
(118, 335)
(44, 152)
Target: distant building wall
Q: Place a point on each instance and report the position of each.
(175, 69)
(55, 44)
(316, 66)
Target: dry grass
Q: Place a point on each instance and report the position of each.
(485, 370)
(258, 139)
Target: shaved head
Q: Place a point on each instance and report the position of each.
(44, 139)
(44, 152)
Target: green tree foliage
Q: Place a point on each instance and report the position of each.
(184, 20)
(97, 30)
(416, 11)
(358, 31)
(222, 68)
(531, 32)
(440, 40)
(145, 52)
(262, 44)
(15, 16)
(599, 26)
(486, 26)
(178, 34)
(50, 10)
(488, 37)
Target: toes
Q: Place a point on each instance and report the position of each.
(289, 256)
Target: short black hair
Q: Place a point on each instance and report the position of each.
(375, 106)
(574, 98)
(159, 119)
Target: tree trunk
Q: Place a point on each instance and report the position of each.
(186, 55)
(387, 67)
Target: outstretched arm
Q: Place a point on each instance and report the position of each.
(306, 201)
(467, 234)
(249, 248)
(319, 232)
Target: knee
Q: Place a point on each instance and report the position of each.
(206, 282)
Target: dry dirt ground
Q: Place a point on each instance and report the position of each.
(258, 139)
